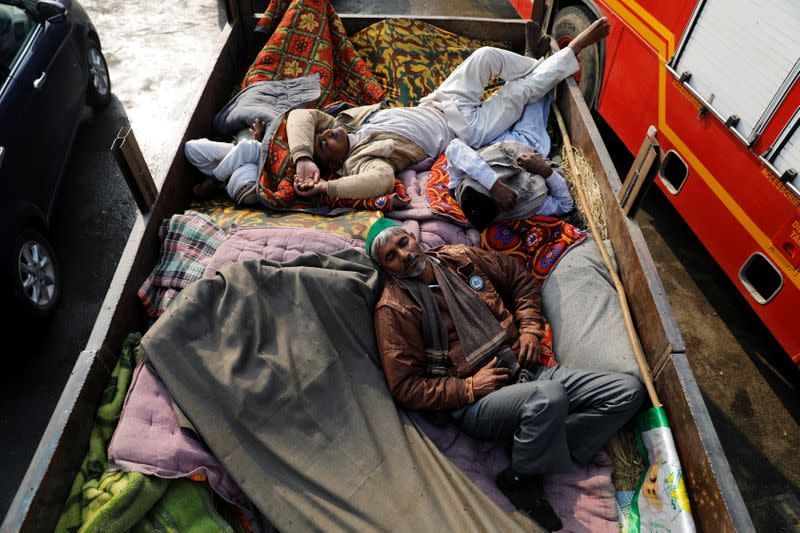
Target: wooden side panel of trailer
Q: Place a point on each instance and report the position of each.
(717, 504)
(44, 489)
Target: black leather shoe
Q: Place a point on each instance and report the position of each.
(527, 494)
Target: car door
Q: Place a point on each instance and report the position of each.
(50, 86)
(17, 33)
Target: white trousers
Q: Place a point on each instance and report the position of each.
(477, 121)
(229, 165)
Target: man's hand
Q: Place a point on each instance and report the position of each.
(307, 173)
(306, 189)
(503, 196)
(488, 379)
(257, 129)
(535, 163)
(530, 347)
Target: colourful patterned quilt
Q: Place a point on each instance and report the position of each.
(438, 194)
(537, 242)
(309, 39)
(353, 224)
(411, 58)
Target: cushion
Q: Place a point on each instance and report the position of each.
(579, 300)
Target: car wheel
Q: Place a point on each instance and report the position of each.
(99, 91)
(37, 280)
(569, 22)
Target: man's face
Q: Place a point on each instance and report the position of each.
(402, 256)
(331, 147)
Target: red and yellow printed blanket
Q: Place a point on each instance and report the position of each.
(309, 38)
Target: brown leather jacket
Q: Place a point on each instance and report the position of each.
(511, 294)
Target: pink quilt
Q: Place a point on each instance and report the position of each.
(275, 243)
(149, 439)
(429, 227)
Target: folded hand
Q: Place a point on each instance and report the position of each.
(530, 347)
(306, 188)
(488, 379)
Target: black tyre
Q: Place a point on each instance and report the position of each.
(36, 276)
(569, 22)
(98, 93)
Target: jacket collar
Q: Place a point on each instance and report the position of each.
(354, 117)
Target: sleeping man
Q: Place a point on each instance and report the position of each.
(367, 145)
(459, 332)
(506, 180)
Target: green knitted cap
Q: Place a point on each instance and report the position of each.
(376, 229)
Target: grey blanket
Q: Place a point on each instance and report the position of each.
(265, 100)
(276, 367)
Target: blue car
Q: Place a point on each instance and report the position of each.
(51, 66)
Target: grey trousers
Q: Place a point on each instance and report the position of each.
(563, 415)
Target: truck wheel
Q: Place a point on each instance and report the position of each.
(569, 22)
(98, 93)
(37, 280)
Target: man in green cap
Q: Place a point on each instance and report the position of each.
(459, 331)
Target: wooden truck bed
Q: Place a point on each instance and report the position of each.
(716, 502)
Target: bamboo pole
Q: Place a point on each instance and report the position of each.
(621, 294)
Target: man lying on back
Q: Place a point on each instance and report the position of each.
(459, 331)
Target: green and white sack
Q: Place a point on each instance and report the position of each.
(661, 502)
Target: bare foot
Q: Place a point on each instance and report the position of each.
(598, 30)
(535, 163)
(532, 33)
(205, 190)
(542, 46)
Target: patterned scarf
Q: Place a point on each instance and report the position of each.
(480, 333)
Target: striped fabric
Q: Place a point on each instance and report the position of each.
(188, 242)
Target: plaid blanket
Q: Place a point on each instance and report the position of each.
(188, 242)
(309, 38)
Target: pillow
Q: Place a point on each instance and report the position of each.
(580, 302)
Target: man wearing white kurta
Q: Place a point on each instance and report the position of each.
(367, 145)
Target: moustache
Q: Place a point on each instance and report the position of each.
(410, 260)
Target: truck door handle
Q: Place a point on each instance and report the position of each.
(38, 82)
